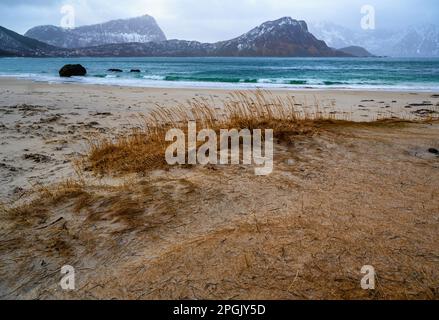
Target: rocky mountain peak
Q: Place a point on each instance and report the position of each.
(291, 22)
(285, 24)
(282, 37)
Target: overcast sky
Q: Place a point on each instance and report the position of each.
(213, 20)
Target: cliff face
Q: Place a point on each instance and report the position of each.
(141, 29)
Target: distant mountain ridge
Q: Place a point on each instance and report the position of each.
(357, 51)
(14, 44)
(284, 37)
(140, 29)
(419, 41)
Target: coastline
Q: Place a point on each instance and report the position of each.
(159, 83)
(360, 105)
(190, 89)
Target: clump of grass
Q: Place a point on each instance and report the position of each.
(35, 209)
(70, 188)
(144, 149)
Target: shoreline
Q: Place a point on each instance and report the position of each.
(230, 88)
(358, 105)
(205, 85)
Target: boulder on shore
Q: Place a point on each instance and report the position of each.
(70, 70)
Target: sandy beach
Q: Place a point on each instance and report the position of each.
(342, 198)
(44, 126)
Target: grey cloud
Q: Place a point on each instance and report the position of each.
(212, 20)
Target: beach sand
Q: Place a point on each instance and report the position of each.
(354, 195)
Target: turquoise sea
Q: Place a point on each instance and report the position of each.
(293, 73)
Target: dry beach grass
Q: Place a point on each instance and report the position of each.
(144, 149)
(343, 194)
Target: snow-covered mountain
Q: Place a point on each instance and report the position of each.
(420, 41)
(282, 37)
(141, 29)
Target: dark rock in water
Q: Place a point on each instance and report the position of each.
(70, 70)
(433, 150)
(115, 70)
(135, 70)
